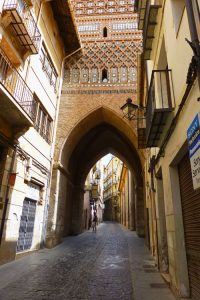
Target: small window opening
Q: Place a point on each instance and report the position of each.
(104, 75)
(105, 32)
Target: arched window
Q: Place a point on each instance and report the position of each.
(105, 32)
(104, 75)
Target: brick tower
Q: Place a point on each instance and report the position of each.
(97, 82)
(111, 41)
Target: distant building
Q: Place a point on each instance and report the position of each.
(111, 180)
(93, 200)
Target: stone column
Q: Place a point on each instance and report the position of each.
(52, 237)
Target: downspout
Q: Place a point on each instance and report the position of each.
(7, 196)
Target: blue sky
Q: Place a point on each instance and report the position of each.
(106, 159)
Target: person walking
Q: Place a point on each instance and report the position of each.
(94, 222)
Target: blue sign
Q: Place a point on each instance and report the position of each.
(193, 136)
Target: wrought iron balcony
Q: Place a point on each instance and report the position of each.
(148, 11)
(17, 105)
(160, 105)
(22, 24)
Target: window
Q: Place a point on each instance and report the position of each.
(92, 27)
(114, 76)
(85, 75)
(75, 75)
(4, 67)
(48, 67)
(94, 75)
(124, 74)
(104, 75)
(124, 26)
(132, 74)
(43, 121)
(105, 32)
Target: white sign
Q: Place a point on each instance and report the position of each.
(33, 192)
(193, 135)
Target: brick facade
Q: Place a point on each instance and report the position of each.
(90, 122)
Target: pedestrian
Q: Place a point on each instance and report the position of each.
(94, 222)
(90, 222)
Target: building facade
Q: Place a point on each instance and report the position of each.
(96, 84)
(32, 52)
(169, 89)
(112, 174)
(93, 196)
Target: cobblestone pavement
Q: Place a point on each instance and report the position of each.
(107, 265)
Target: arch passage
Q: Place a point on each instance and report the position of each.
(97, 139)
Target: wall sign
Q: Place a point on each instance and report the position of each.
(33, 192)
(193, 136)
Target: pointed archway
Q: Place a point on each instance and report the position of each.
(96, 134)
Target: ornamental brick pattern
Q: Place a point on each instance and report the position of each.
(110, 42)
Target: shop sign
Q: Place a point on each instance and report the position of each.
(33, 192)
(193, 136)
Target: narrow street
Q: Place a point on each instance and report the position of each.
(112, 264)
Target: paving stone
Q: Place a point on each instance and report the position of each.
(89, 266)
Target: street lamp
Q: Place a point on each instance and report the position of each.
(131, 110)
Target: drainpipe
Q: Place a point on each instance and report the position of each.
(7, 196)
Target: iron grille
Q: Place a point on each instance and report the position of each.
(16, 86)
(24, 24)
(26, 225)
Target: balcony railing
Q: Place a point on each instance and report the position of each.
(16, 86)
(23, 24)
(160, 104)
(148, 11)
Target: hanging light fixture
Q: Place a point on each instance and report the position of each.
(131, 110)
